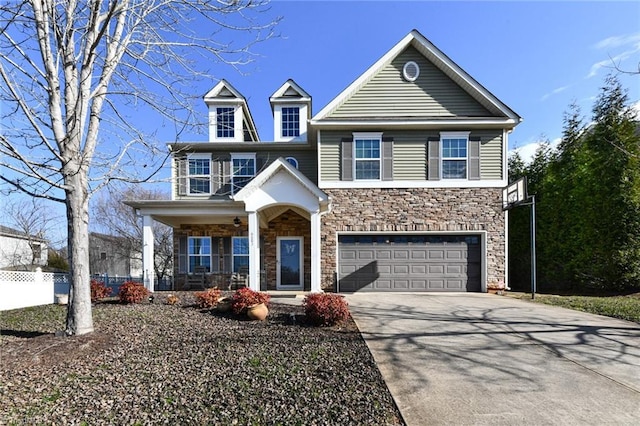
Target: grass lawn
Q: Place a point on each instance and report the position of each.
(158, 363)
(623, 307)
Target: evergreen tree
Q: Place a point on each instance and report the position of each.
(587, 202)
(519, 254)
(561, 189)
(609, 178)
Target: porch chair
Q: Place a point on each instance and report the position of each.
(197, 279)
(239, 279)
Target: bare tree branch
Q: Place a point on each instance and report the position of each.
(78, 75)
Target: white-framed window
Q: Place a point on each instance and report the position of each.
(199, 174)
(290, 122)
(240, 252)
(243, 169)
(454, 155)
(366, 155)
(199, 252)
(292, 161)
(225, 122)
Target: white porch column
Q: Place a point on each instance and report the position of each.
(254, 251)
(315, 252)
(147, 252)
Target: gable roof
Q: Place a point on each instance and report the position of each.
(224, 92)
(290, 89)
(441, 61)
(14, 233)
(282, 165)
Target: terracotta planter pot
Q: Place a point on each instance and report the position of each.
(258, 312)
(224, 305)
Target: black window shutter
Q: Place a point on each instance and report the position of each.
(182, 255)
(474, 158)
(434, 158)
(215, 176)
(347, 158)
(181, 167)
(227, 255)
(387, 158)
(225, 181)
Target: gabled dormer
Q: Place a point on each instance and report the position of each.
(291, 107)
(229, 116)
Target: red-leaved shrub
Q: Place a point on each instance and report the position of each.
(99, 291)
(132, 292)
(325, 308)
(245, 297)
(208, 298)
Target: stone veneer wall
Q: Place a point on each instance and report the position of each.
(414, 210)
(288, 224)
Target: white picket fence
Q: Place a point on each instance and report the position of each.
(23, 289)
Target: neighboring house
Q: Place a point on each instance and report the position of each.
(395, 185)
(111, 255)
(21, 251)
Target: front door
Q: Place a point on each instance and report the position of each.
(289, 270)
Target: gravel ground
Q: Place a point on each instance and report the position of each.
(162, 364)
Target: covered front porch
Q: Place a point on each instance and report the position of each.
(267, 236)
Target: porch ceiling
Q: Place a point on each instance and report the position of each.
(181, 212)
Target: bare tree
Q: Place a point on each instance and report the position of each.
(75, 76)
(119, 220)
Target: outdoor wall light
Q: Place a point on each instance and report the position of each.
(236, 222)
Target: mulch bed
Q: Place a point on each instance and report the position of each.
(157, 363)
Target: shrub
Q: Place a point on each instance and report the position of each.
(172, 299)
(245, 297)
(99, 291)
(208, 298)
(325, 309)
(132, 292)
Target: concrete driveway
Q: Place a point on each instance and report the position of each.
(460, 359)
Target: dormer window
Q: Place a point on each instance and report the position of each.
(290, 122)
(225, 122)
(291, 110)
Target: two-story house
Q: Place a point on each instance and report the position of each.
(395, 185)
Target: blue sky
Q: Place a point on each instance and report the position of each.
(537, 57)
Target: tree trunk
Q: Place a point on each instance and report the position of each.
(79, 317)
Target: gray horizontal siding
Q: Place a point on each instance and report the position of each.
(433, 94)
(409, 156)
(410, 153)
(490, 154)
(307, 164)
(330, 155)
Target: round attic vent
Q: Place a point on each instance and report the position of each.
(410, 71)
